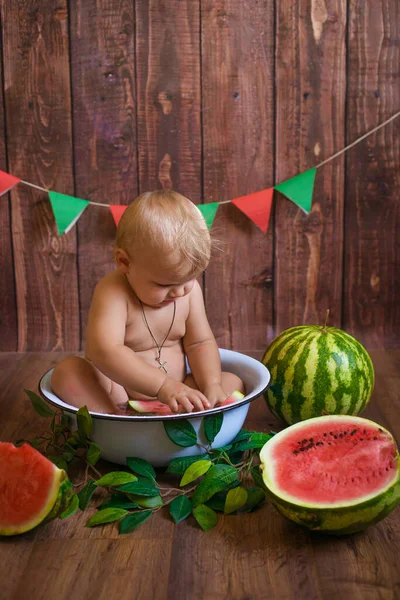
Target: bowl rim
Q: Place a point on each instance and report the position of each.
(140, 419)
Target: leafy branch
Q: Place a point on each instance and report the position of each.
(227, 479)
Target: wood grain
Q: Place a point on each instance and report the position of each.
(39, 146)
(8, 313)
(310, 97)
(372, 220)
(257, 556)
(104, 117)
(168, 84)
(238, 142)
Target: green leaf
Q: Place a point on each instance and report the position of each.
(93, 453)
(58, 460)
(178, 466)
(118, 501)
(84, 420)
(212, 425)
(235, 456)
(206, 517)
(180, 508)
(223, 448)
(134, 520)
(217, 502)
(181, 433)
(107, 515)
(216, 479)
(75, 441)
(235, 499)
(255, 496)
(257, 476)
(65, 420)
(142, 487)
(196, 469)
(141, 467)
(71, 508)
(242, 435)
(115, 478)
(40, 406)
(86, 493)
(257, 440)
(68, 452)
(146, 501)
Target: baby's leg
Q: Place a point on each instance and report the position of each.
(78, 382)
(230, 383)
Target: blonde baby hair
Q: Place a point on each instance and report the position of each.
(166, 221)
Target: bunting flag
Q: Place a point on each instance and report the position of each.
(299, 189)
(66, 210)
(7, 182)
(257, 207)
(117, 210)
(208, 211)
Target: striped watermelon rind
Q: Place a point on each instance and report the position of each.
(339, 520)
(315, 371)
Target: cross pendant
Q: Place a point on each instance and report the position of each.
(162, 364)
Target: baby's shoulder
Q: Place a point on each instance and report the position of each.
(113, 284)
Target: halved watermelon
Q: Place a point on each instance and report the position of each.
(32, 488)
(155, 407)
(336, 474)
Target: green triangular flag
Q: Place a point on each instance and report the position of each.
(208, 211)
(299, 189)
(67, 210)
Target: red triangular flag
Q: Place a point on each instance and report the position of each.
(7, 182)
(257, 207)
(117, 210)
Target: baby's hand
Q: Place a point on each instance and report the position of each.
(215, 394)
(176, 394)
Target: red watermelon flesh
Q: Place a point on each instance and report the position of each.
(29, 487)
(155, 407)
(334, 462)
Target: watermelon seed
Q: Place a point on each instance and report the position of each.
(365, 431)
(325, 434)
(361, 439)
(375, 438)
(345, 433)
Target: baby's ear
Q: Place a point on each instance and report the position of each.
(122, 259)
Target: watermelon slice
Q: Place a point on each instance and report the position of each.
(155, 407)
(32, 489)
(336, 474)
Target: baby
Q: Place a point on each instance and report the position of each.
(147, 315)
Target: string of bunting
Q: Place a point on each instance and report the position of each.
(256, 206)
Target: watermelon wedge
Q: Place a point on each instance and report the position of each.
(155, 407)
(336, 474)
(32, 489)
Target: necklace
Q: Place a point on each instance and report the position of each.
(159, 346)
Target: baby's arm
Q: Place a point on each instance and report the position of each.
(202, 350)
(105, 347)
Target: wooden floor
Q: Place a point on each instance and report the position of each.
(254, 556)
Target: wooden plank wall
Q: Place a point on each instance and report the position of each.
(217, 99)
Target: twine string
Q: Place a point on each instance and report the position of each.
(357, 141)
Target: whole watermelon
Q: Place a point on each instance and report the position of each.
(316, 371)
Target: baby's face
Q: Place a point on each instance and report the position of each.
(158, 281)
